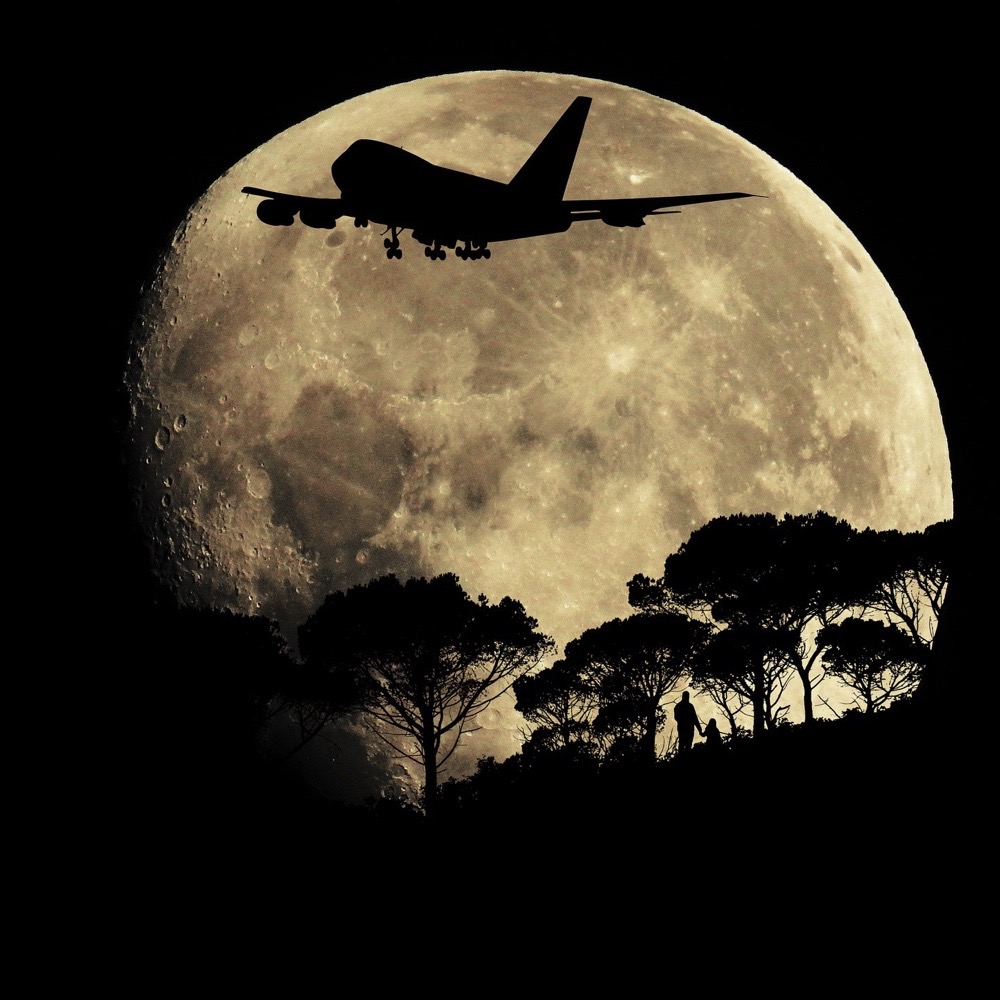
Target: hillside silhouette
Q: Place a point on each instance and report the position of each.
(868, 785)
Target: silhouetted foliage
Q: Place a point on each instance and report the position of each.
(778, 578)
(878, 661)
(424, 658)
(907, 575)
(234, 665)
(560, 702)
(731, 700)
(528, 793)
(630, 666)
(752, 663)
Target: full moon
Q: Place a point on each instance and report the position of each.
(309, 415)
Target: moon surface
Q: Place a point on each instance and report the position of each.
(309, 415)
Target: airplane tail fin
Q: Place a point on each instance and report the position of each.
(546, 172)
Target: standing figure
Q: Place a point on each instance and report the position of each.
(713, 738)
(687, 721)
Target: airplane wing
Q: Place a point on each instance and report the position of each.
(632, 211)
(280, 209)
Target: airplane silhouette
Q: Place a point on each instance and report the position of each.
(449, 208)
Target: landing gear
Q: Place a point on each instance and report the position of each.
(391, 244)
(359, 222)
(468, 252)
(434, 249)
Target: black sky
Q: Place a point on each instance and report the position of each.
(869, 126)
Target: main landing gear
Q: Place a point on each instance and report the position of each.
(433, 249)
(469, 253)
(392, 245)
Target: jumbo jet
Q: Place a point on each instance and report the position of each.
(384, 184)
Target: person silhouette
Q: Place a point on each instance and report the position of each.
(687, 721)
(713, 738)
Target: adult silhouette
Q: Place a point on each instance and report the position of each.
(687, 722)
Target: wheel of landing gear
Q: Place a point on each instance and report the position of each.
(486, 253)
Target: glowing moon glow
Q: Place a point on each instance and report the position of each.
(545, 424)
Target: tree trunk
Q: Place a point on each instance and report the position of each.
(807, 696)
(758, 700)
(649, 737)
(731, 716)
(429, 750)
(430, 786)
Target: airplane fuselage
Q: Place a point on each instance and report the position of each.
(390, 186)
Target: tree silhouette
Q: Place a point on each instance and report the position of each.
(908, 575)
(751, 662)
(728, 697)
(782, 578)
(560, 702)
(631, 665)
(876, 660)
(424, 658)
(219, 680)
(236, 667)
